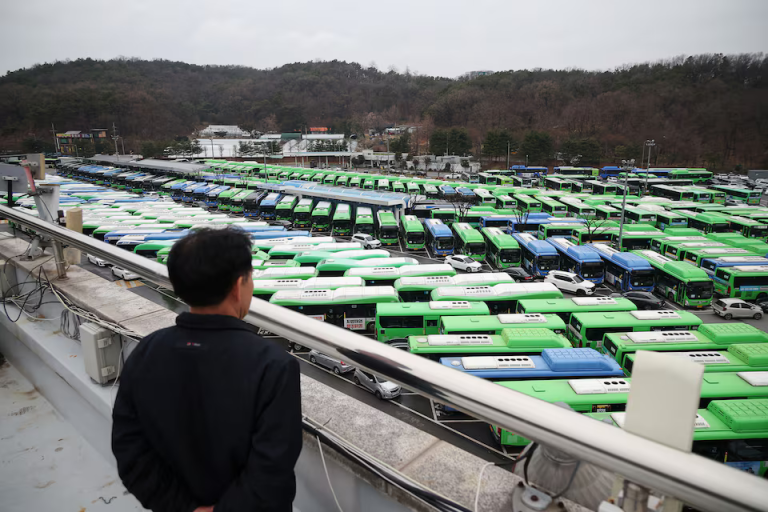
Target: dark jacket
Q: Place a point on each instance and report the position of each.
(207, 412)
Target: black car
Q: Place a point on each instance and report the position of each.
(518, 274)
(643, 300)
(763, 305)
(285, 223)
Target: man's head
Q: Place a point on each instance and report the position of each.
(211, 270)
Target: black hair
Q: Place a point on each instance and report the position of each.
(204, 266)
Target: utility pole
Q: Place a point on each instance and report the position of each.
(55, 139)
(122, 142)
(114, 138)
(627, 166)
(507, 155)
(649, 144)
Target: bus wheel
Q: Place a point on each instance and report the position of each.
(671, 297)
(758, 316)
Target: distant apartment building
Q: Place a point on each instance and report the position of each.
(68, 141)
(471, 75)
(223, 131)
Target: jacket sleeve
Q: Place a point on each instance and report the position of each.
(140, 467)
(267, 483)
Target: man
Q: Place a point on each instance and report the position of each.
(208, 414)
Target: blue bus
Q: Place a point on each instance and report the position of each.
(497, 221)
(579, 259)
(466, 194)
(553, 363)
(178, 189)
(266, 235)
(447, 191)
(439, 237)
(610, 171)
(530, 223)
(710, 265)
(538, 257)
(212, 197)
(625, 271)
(267, 207)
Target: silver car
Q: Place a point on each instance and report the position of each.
(383, 389)
(736, 308)
(336, 365)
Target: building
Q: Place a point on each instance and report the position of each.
(471, 75)
(69, 141)
(223, 131)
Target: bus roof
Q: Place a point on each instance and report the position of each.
(430, 308)
(354, 295)
(500, 291)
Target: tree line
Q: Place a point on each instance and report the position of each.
(705, 110)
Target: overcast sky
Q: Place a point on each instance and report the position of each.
(434, 37)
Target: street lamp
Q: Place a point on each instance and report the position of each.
(649, 144)
(626, 166)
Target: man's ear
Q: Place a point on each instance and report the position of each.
(236, 289)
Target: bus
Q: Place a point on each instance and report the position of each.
(668, 245)
(339, 266)
(528, 203)
(684, 343)
(386, 228)
(302, 213)
(582, 186)
(694, 175)
(746, 282)
(667, 219)
(321, 217)
(553, 207)
(439, 238)
(396, 321)
(505, 202)
(282, 271)
(676, 250)
(363, 221)
(625, 271)
(594, 396)
(635, 240)
(284, 208)
(705, 222)
(430, 191)
(672, 193)
(502, 250)
(553, 363)
(588, 329)
(268, 205)
(724, 431)
(538, 257)
(522, 181)
(412, 233)
(494, 324)
(680, 282)
(740, 241)
(289, 251)
(581, 210)
(265, 288)
(252, 202)
(739, 194)
(443, 214)
(606, 212)
(581, 260)
(635, 215)
(564, 308)
(710, 265)
(700, 195)
(485, 196)
(558, 184)
(385, 275)
(603, 188)
(312, 258)
(510, 342)
(749, 228)
(350, 308)
(500, 298)
(469, 241)
(418, 289)
(695, 256)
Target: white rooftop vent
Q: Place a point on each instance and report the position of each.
(620, 417)
(461, 339)
(705, 357)
(593, 301)
(662, 337)
(599, 386)
(752, 268)
(496, 363)
(450, 304)
(755, 378)
(655, 315)
(533, 318)
(742, 259)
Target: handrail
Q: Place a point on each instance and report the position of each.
(702, 483)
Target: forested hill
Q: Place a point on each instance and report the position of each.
(701, 110)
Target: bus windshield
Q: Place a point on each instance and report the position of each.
(700, 290)
(592, 269)
(444, 242)
(642, 278)
(509, 255)
(415, 238)
(548, 262)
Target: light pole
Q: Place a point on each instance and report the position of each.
(627, 166)
(649, 144)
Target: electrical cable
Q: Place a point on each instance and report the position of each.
(523, 455)
(328, 476)
(570, 481)
(479, 482)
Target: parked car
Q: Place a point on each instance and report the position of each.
(461, 262)
(736, 308)
(734, 202)
(285, 223)
(97, 261)
(643, 300)
(337, 365)
(383, 389)
(518, 274)
(366, 241)
(763, 304)
(125, 275)
(570, 282)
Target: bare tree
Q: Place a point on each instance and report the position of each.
(594, 226)
(460, 208)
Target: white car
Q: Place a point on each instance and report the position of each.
(97, 261)
(383, 389)
(570, 282)
(366, 241)
(736, 308)
(125, 275)
(461, 262)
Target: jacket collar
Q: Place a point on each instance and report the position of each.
(191, 321)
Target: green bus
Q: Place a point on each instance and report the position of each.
(385, 275)
(505, 202)
(606, 212)
(302, 213)
(265, 288)
(412, 188)
(494, 324)
(684, 343)
(293, 271)
(418, 289)
(342, 220)
(747, 282)
(705, 222)
(678, 281)
(588, 329)
(727, 431)
(355, 181)
(224, 200)
(312, 258)
(412, 233)
(400, 320)
(742, 242)
(670, 245)
(564, 308)
(284, 208)
(519, 341)
(557, 184)
(528, 203)
(342, 181)
(363, 221)
(321, 217)
(634, 240)
(701, 194)
(502, 250)
(500, 298)
(749, 228)
(338, 266)
(469, 241)
(386, 228)
(553, 207)
(696, 256)
(237, 202)
(350, 308)
(739, 194)
(290, 251)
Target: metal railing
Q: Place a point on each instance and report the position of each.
(702, 483)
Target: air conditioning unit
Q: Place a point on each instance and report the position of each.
(101, 352)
